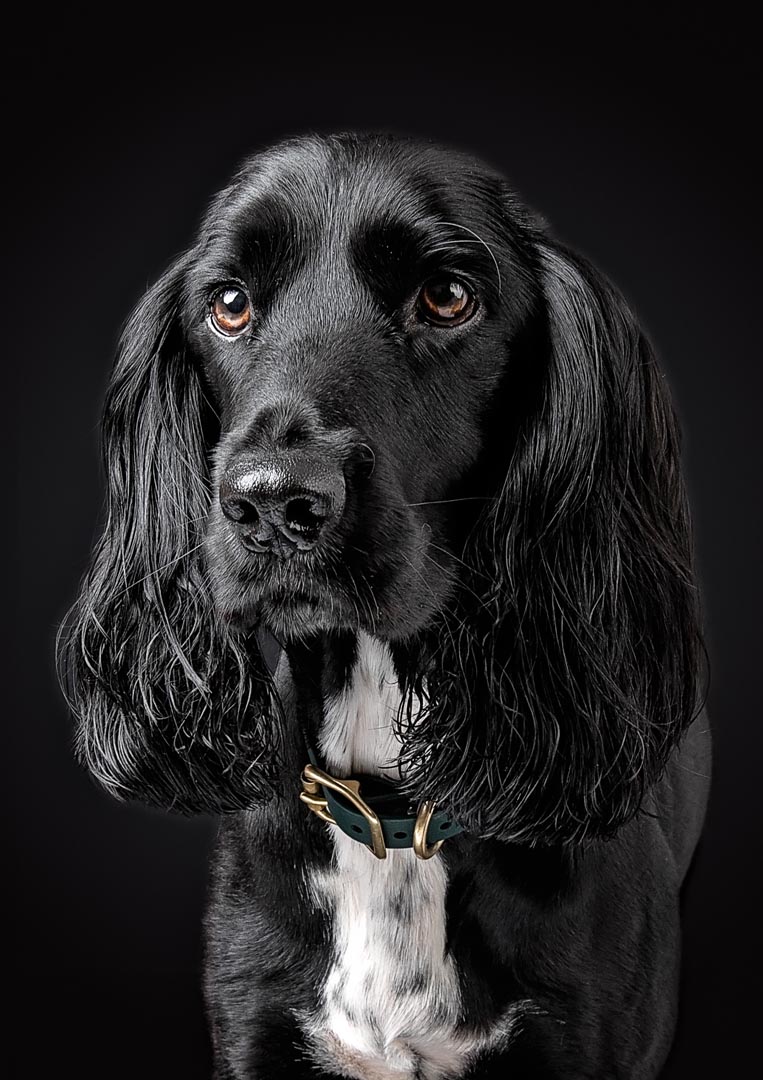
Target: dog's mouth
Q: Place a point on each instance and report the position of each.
(356, 581)
(283, 603)
(295, 612)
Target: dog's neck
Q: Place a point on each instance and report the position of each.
(357, 733)
(348, 697)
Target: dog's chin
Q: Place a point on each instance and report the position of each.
(293, 606)
(296, 616)
(291, 615)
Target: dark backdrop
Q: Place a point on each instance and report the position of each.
(637, 141)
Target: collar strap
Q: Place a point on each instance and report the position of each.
(380, 817)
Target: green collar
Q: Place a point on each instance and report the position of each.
(380, 818)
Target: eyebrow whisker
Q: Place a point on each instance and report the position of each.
(455, 225)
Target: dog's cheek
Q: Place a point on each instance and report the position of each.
(223, 564)
(416, 586)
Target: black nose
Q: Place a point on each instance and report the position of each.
(284, 503)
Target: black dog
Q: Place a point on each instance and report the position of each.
(379, 416)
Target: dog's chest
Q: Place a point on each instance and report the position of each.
(390, 1003)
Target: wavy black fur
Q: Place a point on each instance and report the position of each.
(568, 664)
(175, 707)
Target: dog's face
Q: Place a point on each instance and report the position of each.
(377, 394)
(351, 307)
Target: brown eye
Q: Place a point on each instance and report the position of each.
(446, 301)
(231, 311)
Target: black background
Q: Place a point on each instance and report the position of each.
(636, 138)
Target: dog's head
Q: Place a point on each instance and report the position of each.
(376, 394)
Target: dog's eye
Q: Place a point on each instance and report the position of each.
(231, 311)
(446, 301)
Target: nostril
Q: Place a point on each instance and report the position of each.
(305, 516)
(239, 510)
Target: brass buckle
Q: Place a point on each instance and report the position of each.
(420, 829)
(311, 796)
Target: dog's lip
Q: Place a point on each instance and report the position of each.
(290, 596)
(290, 610)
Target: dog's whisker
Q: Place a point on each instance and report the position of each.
(456, 225)
(455, 558)
(158, 570)
(442, 502)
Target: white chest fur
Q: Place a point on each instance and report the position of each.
(391, 1001)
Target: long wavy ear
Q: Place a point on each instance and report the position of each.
(569, 665)
(174, 708)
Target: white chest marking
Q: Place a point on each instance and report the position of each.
(391, 1002)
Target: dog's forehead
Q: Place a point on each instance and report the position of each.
(311, 184)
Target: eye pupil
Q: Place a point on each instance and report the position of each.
(231, 311)
(235, 300)
(447, 294)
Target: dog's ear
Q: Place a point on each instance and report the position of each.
(569, 664)
(174, 707)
